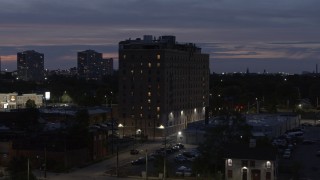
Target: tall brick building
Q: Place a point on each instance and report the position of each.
(161, 82)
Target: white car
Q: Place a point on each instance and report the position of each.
(183, 171)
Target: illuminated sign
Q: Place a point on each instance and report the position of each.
(47, 95)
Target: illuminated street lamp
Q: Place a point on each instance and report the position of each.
(121, 126)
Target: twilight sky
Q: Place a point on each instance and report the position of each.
(271, 35)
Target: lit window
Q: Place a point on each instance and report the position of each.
(132, 71)
(158, 108)
(140, 107)
(229, 162)
(124, 56)
(149, 93)
(141, 71)
(158, 64)
(158, 116)
(158, 56)
(141, 115)
(149, 101)
(149, 65)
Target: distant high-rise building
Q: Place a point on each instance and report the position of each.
(161, 82)
(30, 65)
(91, 65)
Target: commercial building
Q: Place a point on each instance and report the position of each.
(272, 125)
(30, 66)
(91, 65)
(161, 82)
(14, 101)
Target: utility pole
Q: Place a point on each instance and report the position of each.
(146, 164)
(117, 169)
(165, 154)
(45, 161)
(28, 170)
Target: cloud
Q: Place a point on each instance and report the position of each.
(226, 29)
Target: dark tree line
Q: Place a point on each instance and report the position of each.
(270, 91)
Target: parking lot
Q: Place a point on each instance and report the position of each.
(304, 161)
(180, 158)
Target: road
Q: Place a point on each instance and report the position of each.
(97, 171)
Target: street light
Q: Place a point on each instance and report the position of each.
(121, 126)
(165, 151)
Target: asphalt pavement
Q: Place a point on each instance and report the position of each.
(97, 171)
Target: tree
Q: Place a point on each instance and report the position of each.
(65, 98)
(31, 104)
(18, 169)
(232, 129)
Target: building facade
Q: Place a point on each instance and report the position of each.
(250, 163)
(15, 101)
(30, 66)
(161, 82)
(272, 125)
(91, 65)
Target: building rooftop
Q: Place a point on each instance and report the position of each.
(163, 42)
(268, 119)
(241, 151)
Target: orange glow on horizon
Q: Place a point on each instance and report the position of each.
(113, 55)
(9, 58)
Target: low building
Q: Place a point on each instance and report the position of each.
(272, 125)
(14, 101)
(255, 163)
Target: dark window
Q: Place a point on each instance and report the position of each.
(244, 163)
(252, 163)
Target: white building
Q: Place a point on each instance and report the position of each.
(15, 101)
(250, 163)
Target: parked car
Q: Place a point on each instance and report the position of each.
(181, 146)
(183, 171)
(134, 151)
(180, 158)
(175, 148)
(140, 160)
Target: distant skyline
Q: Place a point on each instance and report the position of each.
(273, 35)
